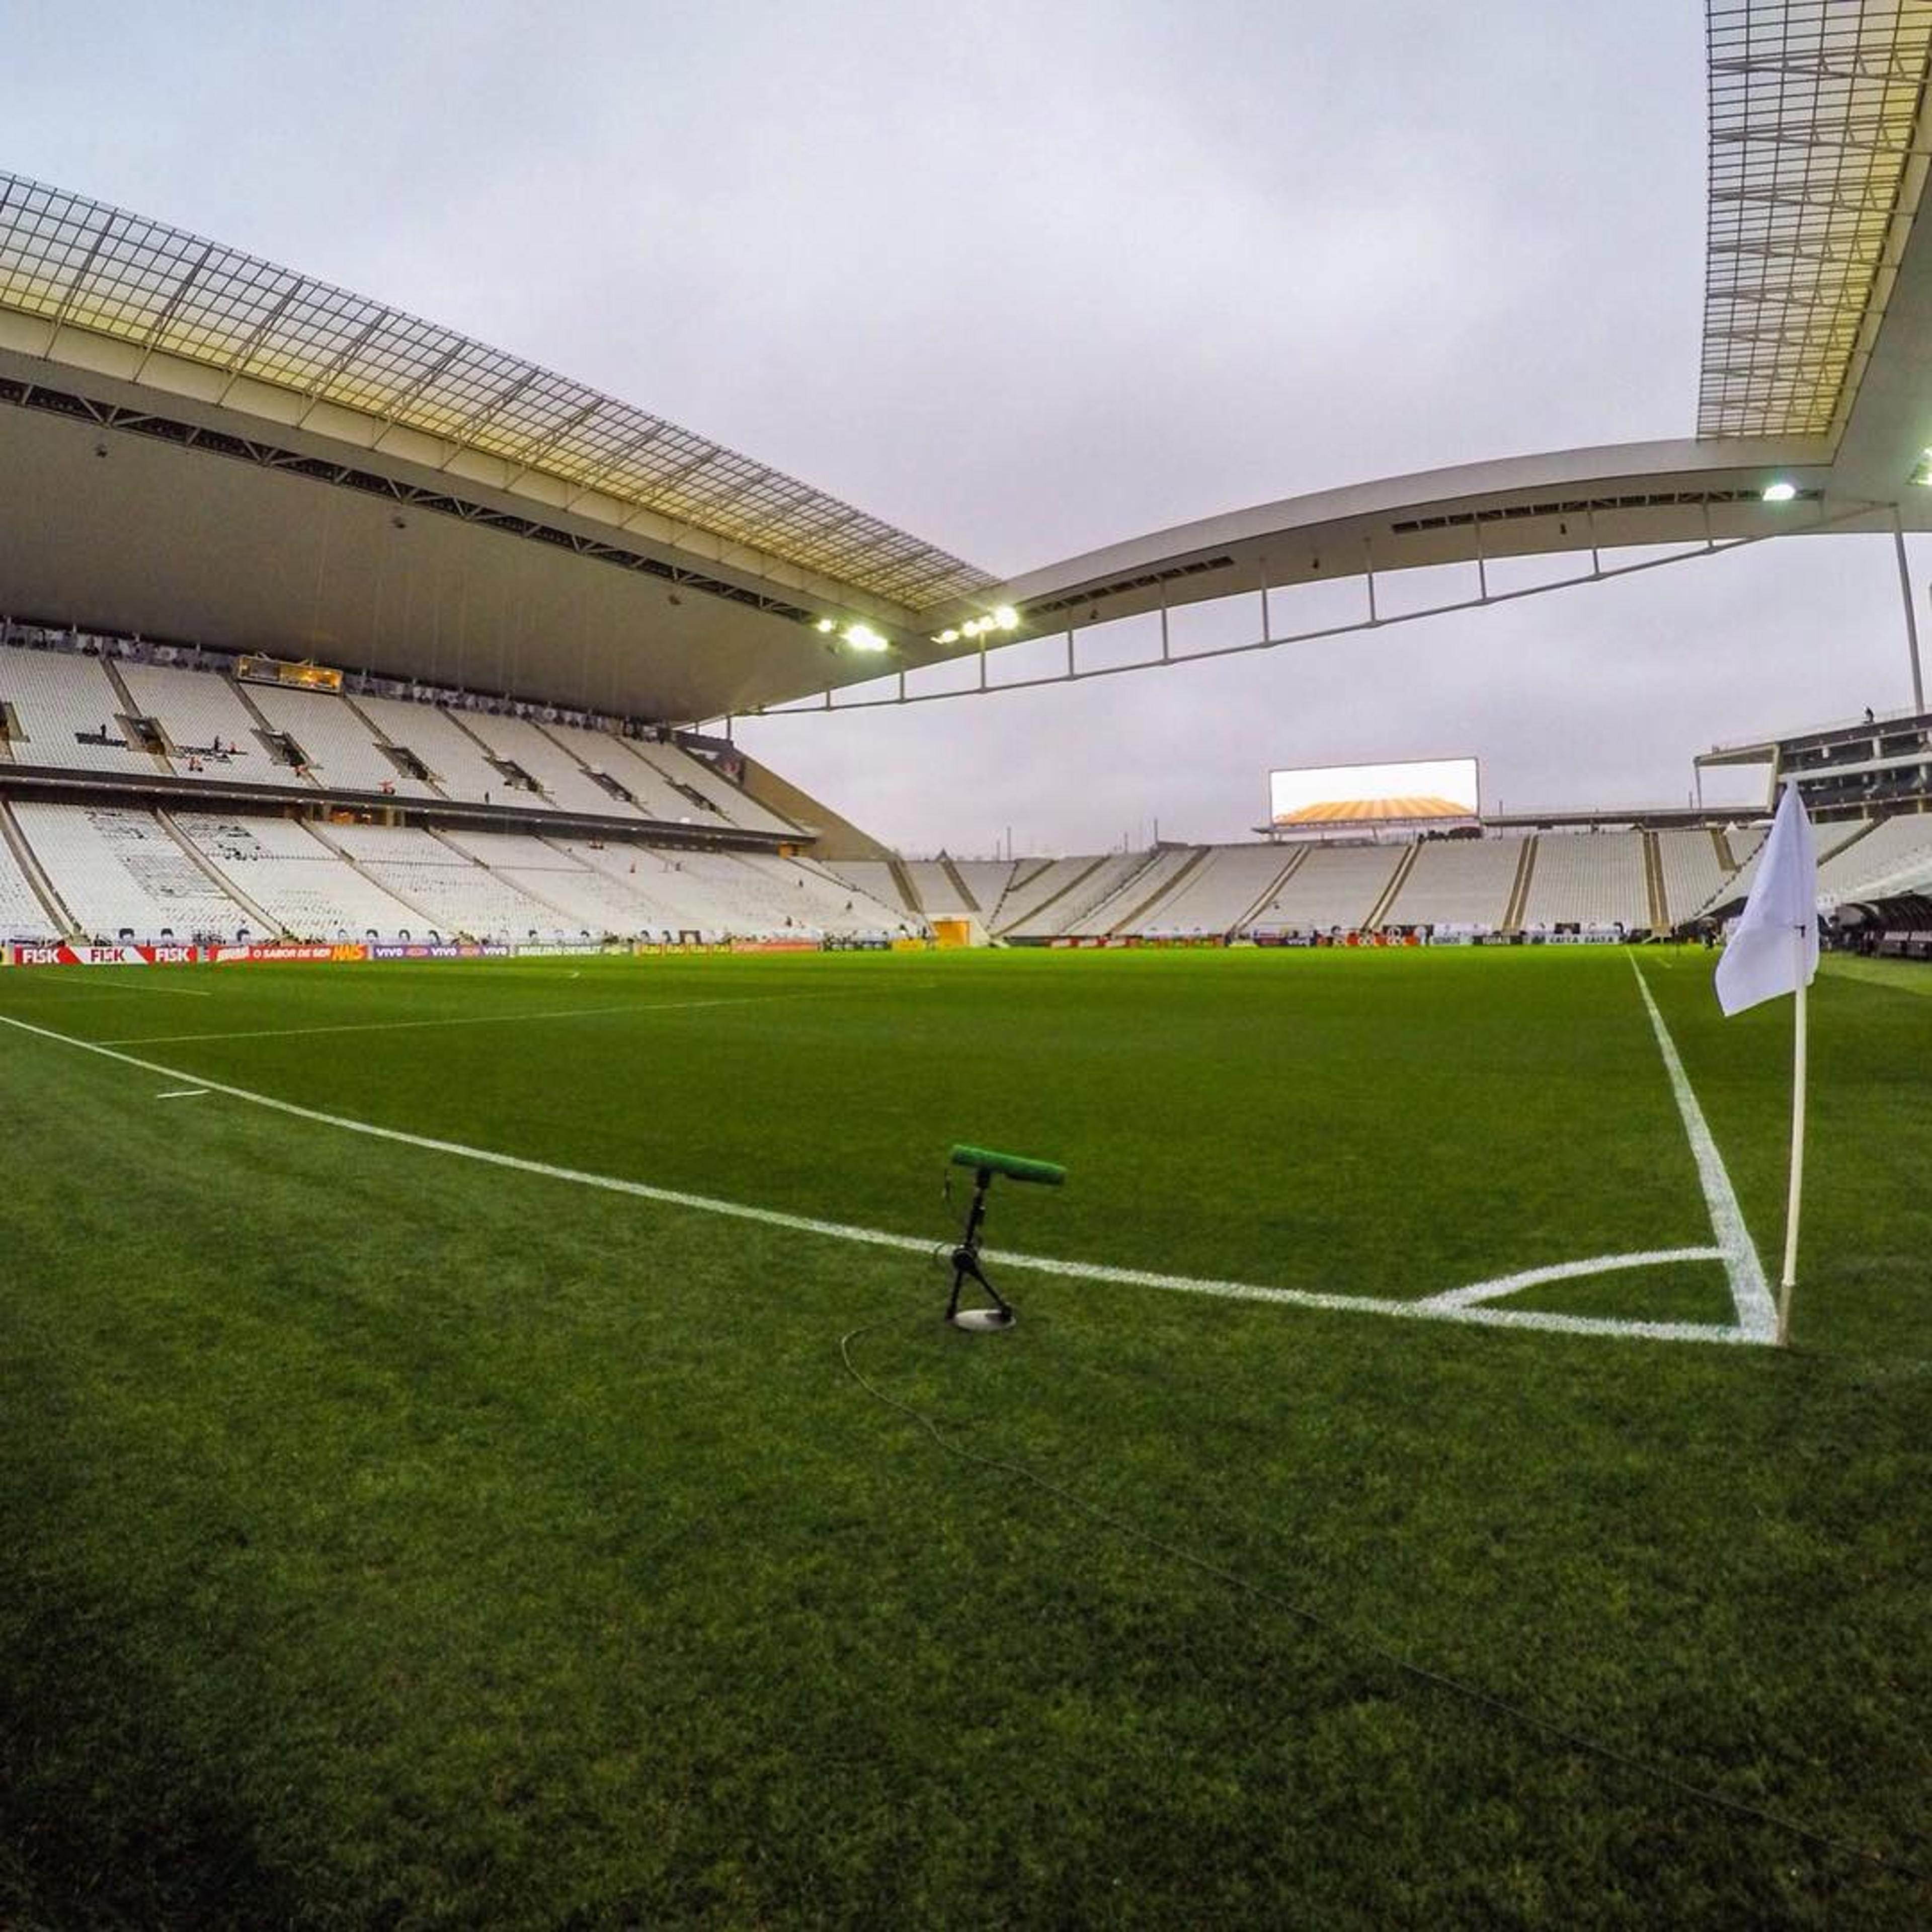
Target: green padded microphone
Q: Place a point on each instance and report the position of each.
(1015, 1167)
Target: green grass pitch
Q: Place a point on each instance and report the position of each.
(395, 1538)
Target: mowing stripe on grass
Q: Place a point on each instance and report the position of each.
(1472, 1312)
(1757, 1315)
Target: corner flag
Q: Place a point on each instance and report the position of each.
(1774, 950)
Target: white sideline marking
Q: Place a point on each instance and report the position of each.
(1757, 1317)
(182, 1093)
(1434, 1310)
(469, 1019)
(48, 982)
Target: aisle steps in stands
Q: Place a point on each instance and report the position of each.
(63, 921)
(1653, 884)
(1136, 920)
(1404, 866)
(1519, 897)
(959, 885)
(198, 858)
(131, 711)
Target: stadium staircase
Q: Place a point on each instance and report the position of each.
(1063, 897)
(1134, 920)
(1653, 885)
(63, 921)
(908, 890)
(521, 884)
(1404, 866)
(129, 710)
(1519, 897)
(270, 739)
(960, 886)
(226, 887)
(355, 866)
(400, 756)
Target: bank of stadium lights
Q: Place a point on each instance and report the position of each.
(860, 637)
(1780, 492)
(1006, 618)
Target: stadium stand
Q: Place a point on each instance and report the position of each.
(938, 890)
(446, 885)
(1125, 904)
(1893, 857)
(543, 760)
(67, 713)
(24, 920)
(1588, 879)
(1333, 886)
(1030, 901)
(679, 768)
(455, 761)
(122, 876)
(340, 747)
(1694, 867)
(877, 880)
(1217, 895)
(196, 711)
(1458, 882)
(304, 887)
(986, 881)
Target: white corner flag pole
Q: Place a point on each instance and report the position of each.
(1790, 1280)
(1774, 950)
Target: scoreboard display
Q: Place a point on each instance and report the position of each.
(279, 671)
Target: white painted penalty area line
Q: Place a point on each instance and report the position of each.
(1473, 1314)
(182, 1093)
(1757, 1316)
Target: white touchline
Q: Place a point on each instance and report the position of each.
(1757, 1315)
(1435, 1310)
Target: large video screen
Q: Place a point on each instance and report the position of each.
(1413, 789)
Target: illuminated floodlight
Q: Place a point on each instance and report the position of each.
(863, 638)
(1780, 492)
(1007, 617)
(948, 636)
(1922, 470)
(972, 627)
(826, 625)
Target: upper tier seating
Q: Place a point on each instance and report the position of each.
(340, 745)
(535, 751)
(1588, 878)
(457, 763)
(196, 710)
(120, 875)
(1333, 885)
(676, 767)
(1458, 882)
(63, 704)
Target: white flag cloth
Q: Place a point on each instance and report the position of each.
(1775, 948)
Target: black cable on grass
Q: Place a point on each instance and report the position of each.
(1485, 1700)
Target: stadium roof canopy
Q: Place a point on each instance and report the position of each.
(201, 445)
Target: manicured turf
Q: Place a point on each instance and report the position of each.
(396, 1539)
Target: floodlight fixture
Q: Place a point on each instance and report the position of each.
(1780, 492)
(1007, 617)
(863, 638)
(948, 636)
(826, 625)
(1922, 470)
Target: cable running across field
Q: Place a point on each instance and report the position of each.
(1471, 1693)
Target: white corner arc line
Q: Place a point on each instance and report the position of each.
(771, 1217)
(1478, 1292)
(1757, 1315)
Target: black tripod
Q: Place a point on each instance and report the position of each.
(966, 1259)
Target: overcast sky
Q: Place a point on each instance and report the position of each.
(1029, 279)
